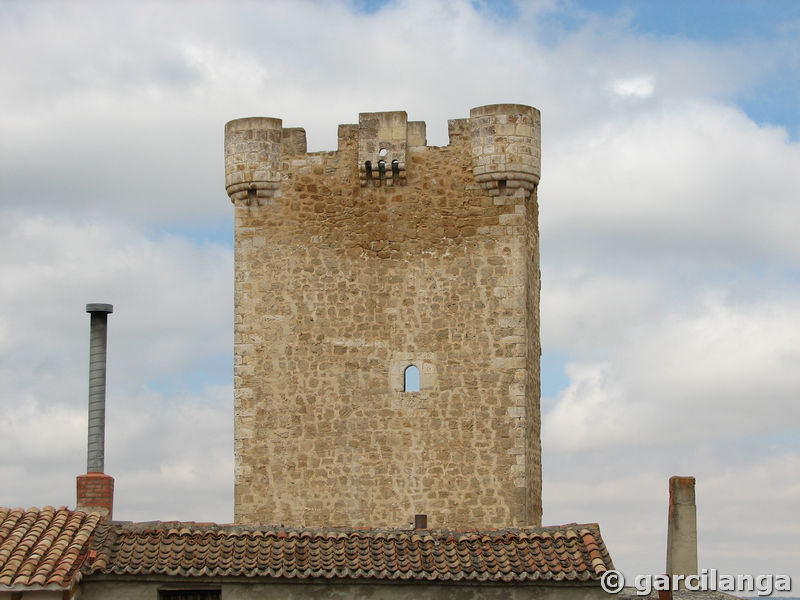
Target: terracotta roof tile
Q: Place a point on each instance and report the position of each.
(43, 548)
(574, 553)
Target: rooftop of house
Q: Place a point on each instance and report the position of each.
(55, 547)
(44, 548)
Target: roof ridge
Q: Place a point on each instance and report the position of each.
(371, 531)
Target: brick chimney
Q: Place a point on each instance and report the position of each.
(682, 527)
(96, 494)
(95, 488)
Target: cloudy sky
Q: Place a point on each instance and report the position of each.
(670, 206)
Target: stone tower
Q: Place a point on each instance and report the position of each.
(356, 268)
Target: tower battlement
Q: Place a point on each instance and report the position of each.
(504, 141)
(355, 265)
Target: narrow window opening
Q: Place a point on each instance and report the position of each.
(411, 379)
(501, 186)
(395, 169)
(368, 169)
(382, 169)
(251, 196)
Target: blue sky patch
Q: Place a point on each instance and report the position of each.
(554, 378)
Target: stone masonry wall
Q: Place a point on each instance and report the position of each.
(346, 274)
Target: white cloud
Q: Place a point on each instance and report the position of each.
(714, 373)
(173, 456)
(626, 492)
(638, 87)
(692, 180)
(172, 320)
(51, 267)
(668, 226)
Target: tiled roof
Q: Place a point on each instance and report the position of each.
(49, 547)
(572, 553)
(43, 548)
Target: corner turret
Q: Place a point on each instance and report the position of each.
(506, 147)
(253, 159)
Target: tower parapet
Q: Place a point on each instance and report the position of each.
(506, 147)
(253, 159)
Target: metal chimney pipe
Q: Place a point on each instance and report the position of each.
(97, 385)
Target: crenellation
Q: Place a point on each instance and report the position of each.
(343, 281)
(417, 135)
(458, 131)
(293, 141)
